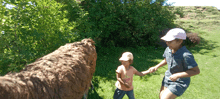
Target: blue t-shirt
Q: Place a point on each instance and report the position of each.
(182, 60)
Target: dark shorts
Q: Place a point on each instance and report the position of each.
(176, 88)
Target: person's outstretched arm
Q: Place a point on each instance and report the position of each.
(142, 73)
(162, 63)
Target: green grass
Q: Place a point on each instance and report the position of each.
(105, 77)
(203, 86)
(206, 84)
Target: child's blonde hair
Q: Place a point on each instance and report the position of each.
(130, 61)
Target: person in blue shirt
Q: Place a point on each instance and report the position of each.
(181, 65)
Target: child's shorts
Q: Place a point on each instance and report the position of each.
(119, 94)
(176, 88)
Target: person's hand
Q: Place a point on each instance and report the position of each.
(173, 77)
(127, 85)
(152, 69)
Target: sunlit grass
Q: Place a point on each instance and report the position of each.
(203, 86)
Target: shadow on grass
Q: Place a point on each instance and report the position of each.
(204, 47)
(94, 95)
(108, 61)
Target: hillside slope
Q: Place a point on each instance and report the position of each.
(195, 17)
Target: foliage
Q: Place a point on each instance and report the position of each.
(128, 23)
(73, 9)
(213, 10)
(198, 12)
(179, 11)
(31, 29)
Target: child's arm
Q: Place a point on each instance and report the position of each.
(162, 63)
(142, 73)
(121, 81)
(188, 73)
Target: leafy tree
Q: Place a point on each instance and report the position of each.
(127, 23)
(31, 29)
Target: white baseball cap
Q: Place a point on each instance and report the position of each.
(126, 56)
(175, 33)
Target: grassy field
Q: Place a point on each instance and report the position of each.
(206, 85)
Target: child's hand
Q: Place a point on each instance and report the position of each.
(153, 69)
(173, 77)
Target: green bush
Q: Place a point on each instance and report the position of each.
(34, 28)
(124, 24)
(179, 11)
(31, 30)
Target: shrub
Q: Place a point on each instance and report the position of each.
(192, 39)
(179, 11)
(124, 24)
(31, 30)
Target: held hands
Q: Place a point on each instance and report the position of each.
(173, 77)
(152, 69)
